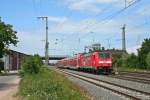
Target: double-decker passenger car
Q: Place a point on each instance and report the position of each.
(95, 62)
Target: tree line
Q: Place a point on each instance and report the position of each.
(139, 61)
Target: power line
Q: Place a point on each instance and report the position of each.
(114, 15)
(36, 13)
(104, 9)
(138, 26)
(108, 18)
(107, 7)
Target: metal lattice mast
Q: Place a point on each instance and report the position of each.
(123, 38)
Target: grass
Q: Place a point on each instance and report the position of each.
(2, 73)
(49, 85)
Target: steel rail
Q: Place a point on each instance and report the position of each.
(133, 73)
(132, 79)
(113, 90)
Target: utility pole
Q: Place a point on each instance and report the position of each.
(46, 41)
(123, 38)
(77, 54)
(123, 44)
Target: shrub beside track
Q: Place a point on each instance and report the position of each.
(41, 83)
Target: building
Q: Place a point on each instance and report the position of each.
(12, 60)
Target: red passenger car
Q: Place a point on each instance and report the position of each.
(96, 62)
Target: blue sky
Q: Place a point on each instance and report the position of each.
(74, 20)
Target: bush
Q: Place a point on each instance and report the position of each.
(117, 60)
(148, 60)
(125, 60)
(131, 61)
(31, 65)
(49, 85)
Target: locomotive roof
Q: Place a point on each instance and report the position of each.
(85, 54)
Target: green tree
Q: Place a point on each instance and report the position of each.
(125, 60)
(143, 52)
(7, 37)
(117, 59)
(131, 61)
(148, 60)
(31, 65)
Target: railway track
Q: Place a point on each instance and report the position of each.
(138, 74)
(134, 76)
(130, 78)
(127, 92)
(139, 77)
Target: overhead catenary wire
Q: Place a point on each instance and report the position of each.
(36, 12)
(103, 10)
(107, 19)
(138, 26)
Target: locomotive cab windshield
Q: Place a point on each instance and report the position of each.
(104, 55)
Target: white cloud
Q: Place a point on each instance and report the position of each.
(57, 19)
(83, 6)
(82, 27)
(71, 26)
(87, 5)
(29, 41)
(96, 6)
(133, 49)
(144, 10)
(90, 25)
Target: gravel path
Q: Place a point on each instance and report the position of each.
(8, 87)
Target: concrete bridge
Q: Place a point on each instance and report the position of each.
(56, 57)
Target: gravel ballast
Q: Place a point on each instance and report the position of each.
(131, 84)
(97, 93)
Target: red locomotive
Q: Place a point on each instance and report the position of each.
(93, 62)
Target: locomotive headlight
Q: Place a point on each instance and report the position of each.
(108, 61)
(101, 62)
